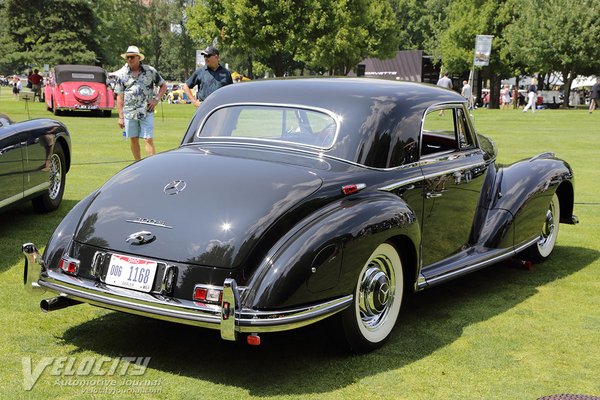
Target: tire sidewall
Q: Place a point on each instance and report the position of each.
(359, 338)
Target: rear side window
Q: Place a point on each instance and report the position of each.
(283, 124)
(446, 130)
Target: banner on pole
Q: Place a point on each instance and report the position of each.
(483, 49)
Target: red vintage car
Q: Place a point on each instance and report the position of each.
(78, 87)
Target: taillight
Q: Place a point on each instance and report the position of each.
(208, 294)
(354, 188)
(69, 265)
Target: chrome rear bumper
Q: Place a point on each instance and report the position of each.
(229, 317)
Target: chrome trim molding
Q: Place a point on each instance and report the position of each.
(11, 199)
(329, 113)
(509, 253)
(20, 196)
(39, 188)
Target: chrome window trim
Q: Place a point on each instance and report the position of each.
(394, 186)
(329, 113)
(445, 106)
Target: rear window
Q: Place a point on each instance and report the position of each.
(315, 128)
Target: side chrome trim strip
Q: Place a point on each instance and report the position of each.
(39, 188)
(20, 196)
(441, 278)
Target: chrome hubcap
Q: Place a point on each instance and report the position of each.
(376, 292)
(549, 227)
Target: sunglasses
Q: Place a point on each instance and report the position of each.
(208, 56)
(130, 57)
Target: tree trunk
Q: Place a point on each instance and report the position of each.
(568, 78)
(494, 90)
(250, 70)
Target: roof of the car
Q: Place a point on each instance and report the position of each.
(77, 68)
(323, 91)
(379, 120)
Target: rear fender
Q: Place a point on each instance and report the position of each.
(63, 235)
(320, 258)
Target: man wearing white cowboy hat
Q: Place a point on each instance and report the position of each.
(136, 100)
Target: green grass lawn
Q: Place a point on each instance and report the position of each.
(500, 333)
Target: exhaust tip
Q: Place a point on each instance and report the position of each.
(57, 303)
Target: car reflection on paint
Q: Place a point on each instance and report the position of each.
(79, 88)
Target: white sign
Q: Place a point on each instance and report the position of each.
(199, 59)
(483, 49)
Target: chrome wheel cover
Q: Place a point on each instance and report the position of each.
(550, 228)
(379, 293)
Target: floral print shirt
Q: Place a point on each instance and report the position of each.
(138, 90)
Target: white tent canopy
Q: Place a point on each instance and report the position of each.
(583, 81)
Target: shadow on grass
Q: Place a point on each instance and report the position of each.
(309, 360)
(21, 224)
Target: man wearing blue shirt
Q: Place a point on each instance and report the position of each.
(208, 78)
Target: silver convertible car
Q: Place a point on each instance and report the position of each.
(291, 201)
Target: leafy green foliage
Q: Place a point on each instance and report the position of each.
(50, 32)
(290, 37)
(284, 35)
(557, 35)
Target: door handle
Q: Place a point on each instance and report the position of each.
(430, 195)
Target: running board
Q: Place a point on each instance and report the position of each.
(466, 262)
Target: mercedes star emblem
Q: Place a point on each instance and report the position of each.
(174, 187)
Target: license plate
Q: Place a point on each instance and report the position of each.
(131, 273)
(86, 107)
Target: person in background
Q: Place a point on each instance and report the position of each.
(505, 97)
(36, 83)
(515, 98)
(445, 82)
(595, 96)
(17, 85)
(486, 100)
(208, 78)
(136, 100)
(531, 96)
(467, 93)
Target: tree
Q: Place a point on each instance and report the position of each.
(285, 35)
(269, 31)
(468, 18)
(344, 32)
(177, 59)
(420, 24)
(557, 35)
(50, 32)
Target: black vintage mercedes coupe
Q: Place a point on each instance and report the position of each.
(290, 201)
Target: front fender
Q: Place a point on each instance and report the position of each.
(526, 189)
(321, 257)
